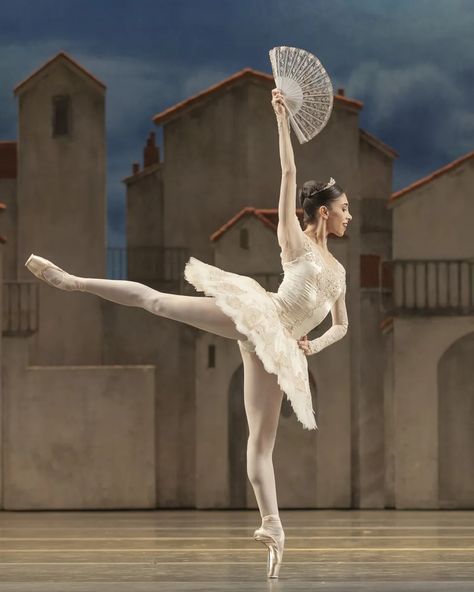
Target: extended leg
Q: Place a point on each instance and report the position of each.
(262, 399)
(199, 311)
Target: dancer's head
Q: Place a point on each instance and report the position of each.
(325, 204)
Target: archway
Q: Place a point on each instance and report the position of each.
(456, 425)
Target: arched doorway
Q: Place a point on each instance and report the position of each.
(456, 425)
(237, 430)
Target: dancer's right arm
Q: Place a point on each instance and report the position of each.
(289, 230)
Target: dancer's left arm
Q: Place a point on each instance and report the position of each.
(339, 327)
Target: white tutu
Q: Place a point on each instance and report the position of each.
(256, 315)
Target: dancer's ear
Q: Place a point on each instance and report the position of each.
(324, 212)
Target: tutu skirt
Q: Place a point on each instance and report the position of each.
(256, 315)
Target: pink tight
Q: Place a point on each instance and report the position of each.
(262, 395)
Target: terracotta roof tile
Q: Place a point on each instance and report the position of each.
(8, 160)
(247, 211)
(424, 180)
(176, 109)
(60, 56)
(268, 217)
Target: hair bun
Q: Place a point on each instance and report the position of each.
(311, 188)
(318, 194)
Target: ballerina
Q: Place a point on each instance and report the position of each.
(270, 327)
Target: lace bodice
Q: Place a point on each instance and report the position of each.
(310, 289)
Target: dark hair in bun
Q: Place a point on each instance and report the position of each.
(313, 195)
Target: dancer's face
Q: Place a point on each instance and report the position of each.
(338, 216)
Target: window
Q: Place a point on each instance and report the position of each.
(211, 356)
(61, 115)
(244, 238)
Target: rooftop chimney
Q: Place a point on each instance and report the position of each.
(135, 168)
(340, 91)
(151, 152)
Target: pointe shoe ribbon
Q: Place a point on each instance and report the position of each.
(38, 265)
(275, 547)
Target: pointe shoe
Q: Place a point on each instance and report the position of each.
(275, 544)
(38, 265)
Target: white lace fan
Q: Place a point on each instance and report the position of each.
(307, 89)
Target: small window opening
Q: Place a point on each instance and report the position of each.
(61, 115)
(211, 356)
(244, 238)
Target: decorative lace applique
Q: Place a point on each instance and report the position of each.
(333, 281)
(306, 254)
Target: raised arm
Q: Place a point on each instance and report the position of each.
(289, 230)
(339, 327)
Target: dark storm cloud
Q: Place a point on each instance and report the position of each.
(411, 62)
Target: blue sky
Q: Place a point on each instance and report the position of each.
(410, 61)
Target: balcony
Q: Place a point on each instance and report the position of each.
(431, 287)
(20, 308)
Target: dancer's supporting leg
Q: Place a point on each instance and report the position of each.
(262, 399)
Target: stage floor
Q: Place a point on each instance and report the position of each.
(333, 550)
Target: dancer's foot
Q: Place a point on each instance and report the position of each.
(52, 274)
(271, 534)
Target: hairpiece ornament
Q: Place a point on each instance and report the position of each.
(315, 192)
(330, 184)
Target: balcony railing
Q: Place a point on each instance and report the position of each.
(159, 267)
(20, 307)
(116, 263)
(165, 263)
(429, 287)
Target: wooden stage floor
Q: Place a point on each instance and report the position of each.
(163, 550)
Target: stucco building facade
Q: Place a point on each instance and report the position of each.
(127, 410)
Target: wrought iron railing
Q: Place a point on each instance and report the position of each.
(429, 287)
(164, 263)
(20, 307)
(117, 263)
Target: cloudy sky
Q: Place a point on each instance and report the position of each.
(410, 61)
